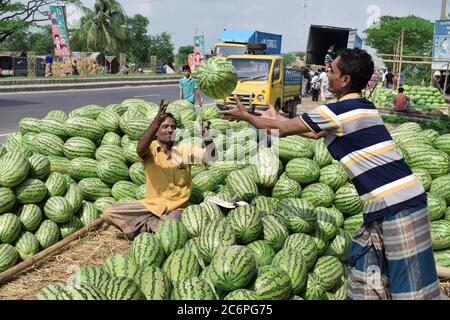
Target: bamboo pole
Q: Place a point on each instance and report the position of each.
(404, 56)
(8, 274)
(401, 58)
(446, 79)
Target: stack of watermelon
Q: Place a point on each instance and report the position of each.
(422, 98)
(60, 172)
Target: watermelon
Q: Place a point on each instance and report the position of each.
(431, 135)
(74, 196)
(213, 210)
(39, 166)
(303, 170)
(49, 144)
(146, 250)
(286, 188)
(347, 200)
(329, 270)
(112, 171)
(14, 168)
(195, 218)
(322, 240)
(137, 173)
(217, 78)
(299, 214)
(243, 185)
(57, 114)
(273, 283)
(293, 262)
(31, 216)
(154, 284)
(423, 176)
(79, 147)
(274, 232)
(110, 152)
(326, 222)
(90, 111)
(56, 184)
(293, 147)
(47, 234)
(88, 213)
(172, 234)
(130, 151)
(121, 289)
(442, 143)
(58, 209)
(84, 127)
(8, 256)
(124, 189)
(440, 187)
(266, 168)
(70, 227)
(315, 289)
(436, 163)
(94, 188)
(319, 195)
(103, 202)
(7, 200)
(334, 176)
(109, 121)
(141, 192)
(242, 294)
(264, 204)
(340, 245)
(352, 224)
(442, 258)
(27, 245)
(117, 108)
(232, 268)
(306, 245)
(120, 265)
(111, 139)
(337, 215)
(91, 275)
(440, 234)
(59, 164)
(437, 206)
(29, 125)
(53, 126)
(51, 292)
(263, 252)
(83, 168)
(30, 191)
(217, 234)
(321, 154)
(247, 224)
(181, 264)
(28, 142)
(10, 227)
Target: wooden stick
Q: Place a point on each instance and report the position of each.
(443, 272)
(8, 274)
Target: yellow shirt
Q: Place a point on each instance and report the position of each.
(169, 183)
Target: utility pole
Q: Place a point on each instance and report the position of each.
(444, 10)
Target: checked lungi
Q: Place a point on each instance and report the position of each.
(392, 258)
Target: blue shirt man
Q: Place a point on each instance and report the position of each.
(49, 58)
(189, 89)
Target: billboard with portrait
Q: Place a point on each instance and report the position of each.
(441, 44)
(59, 31)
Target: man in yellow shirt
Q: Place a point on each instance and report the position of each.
(168, 175)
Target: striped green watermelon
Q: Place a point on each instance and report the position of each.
(181, 264)
(299, 214)
(70, 227)
(203, 182)
(30, 191)
(47, 234)
(121, 289)
(31, 216)
(59, 164)
(69, 179)
(232, 268)
(440, 234)
(49, 144)
(208, 113)
(306, 245)
(83, 168)
(8, 256)
(14, 168)
(274, 232)
(78, 147)
(172, 234)
(88, 213)
(13, 140)
(440, 187)
(112, 171)
(124, 190)
(7, 200)
(10, 227)
(347, 200)
(303, 170)
(334, 176)
(435, 162)
(50, 292)
(437, 206)
(28, 141)
(322, 240)
(423, 176)
(130, 151)
(293, 262)
(264, 204)
(315, 289)
(27, 245)
(146, 250)
(243, 185)
(442, 143)
(442, 258)
(137, 173)
(84, 127)
(337, 215)
(321, 154)
(58, 209)
(217, 234)
(247, 224)
(154, 284)
(213, 210)
(353, 223)
(109, 121)
(329, 270)
(340, 245)
(91, 275)
(56, 184)
(267, 166)
(195, 218)
(217, 78)
(117, 108)
(326, 222)
(57, 114)
(319, 195)
(242, 294)
(431, 135)
(293, 147)
(90, 111)
(272, 283)
(39, 166)
(286, 188)
(193, 289)
(81, 291)
(141, 192)
(103, 202)
(109, 152)
(111, 139)
(74, 196)
(29, 125)
(53, 126)
(263, 252)
(136, 128)
(94, 188)
(120, 265)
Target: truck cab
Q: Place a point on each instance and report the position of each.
(264, 78)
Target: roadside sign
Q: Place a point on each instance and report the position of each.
(441, 44)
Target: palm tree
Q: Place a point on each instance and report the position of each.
(102, 28)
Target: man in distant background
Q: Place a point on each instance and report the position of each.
(401, 101)
(389, 80)
(189, 89)
(48, 64)
(323, 85)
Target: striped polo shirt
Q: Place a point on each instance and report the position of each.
(358, 138)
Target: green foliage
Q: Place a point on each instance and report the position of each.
(183, 53)
(289, 58)
(139, 42)
(36, 39)
(418, 41)
(162, 47)
(440, 125)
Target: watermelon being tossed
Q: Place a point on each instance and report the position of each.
(217, 78)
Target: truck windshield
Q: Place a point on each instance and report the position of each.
(225, 51)
(252, 69)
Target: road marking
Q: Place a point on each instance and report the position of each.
(147, 95)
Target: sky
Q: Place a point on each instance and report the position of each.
(291, 18)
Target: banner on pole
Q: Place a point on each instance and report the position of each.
(59, 31)
(199, 50)
(441, 44)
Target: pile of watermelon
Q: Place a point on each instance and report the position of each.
(422, 98)
(57, 174)
(290, 242)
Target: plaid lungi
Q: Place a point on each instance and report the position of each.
(392, 258)
(133, 218)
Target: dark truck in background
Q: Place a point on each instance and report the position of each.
(322, 37)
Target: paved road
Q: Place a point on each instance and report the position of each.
(15, 106)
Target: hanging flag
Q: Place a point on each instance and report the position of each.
(59, 31)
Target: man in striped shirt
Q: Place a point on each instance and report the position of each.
(391, 255)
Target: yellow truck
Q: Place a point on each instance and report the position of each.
(265, 78)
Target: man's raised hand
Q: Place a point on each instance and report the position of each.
(238, 113)
(162, 107)
(270, 113)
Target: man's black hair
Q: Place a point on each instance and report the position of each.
(57, 36)
(401, 90)
(186, 68)
(168, 115)
(357, 64)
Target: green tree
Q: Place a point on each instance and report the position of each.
(183, 53)
(102, 29)
(37, 39)
(138, 41)
(19, 16)
(162, 47)
(418, 41)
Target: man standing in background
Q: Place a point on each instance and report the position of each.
(323, 78)
(48, 64)
(189, 89)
